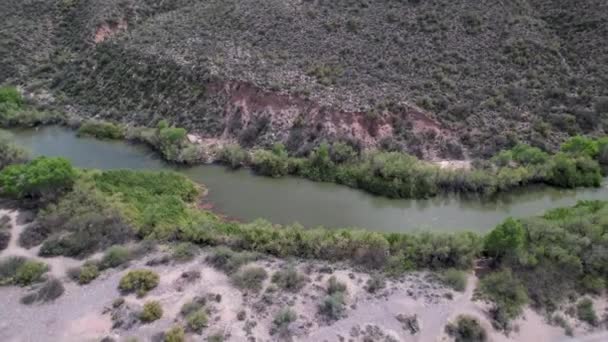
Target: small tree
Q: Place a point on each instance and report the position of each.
(506, 238)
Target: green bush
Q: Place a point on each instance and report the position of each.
(271, 163)
(506, 239)
(197, 320)
(506, 292)
(233, 156)
(139, 281)
(282, 320)
(101, 130)
(115, 256)
(581, 146)
(455, 279)
(229, 261)
(249, 278)
(8, 269)
(375, 283)
(184, 251)
(88, 272)
(41, 178)
(175, 334)
(585, 312)
(332, 306)
(289, 279)
(10, 95)
(30, 272)
(467, 329)
(152, 311)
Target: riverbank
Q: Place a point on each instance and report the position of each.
(412, 307)
(385, 172)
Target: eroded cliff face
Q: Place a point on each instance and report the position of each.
(439, 79)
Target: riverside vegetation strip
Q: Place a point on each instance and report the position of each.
(540, 260)
(580, 161)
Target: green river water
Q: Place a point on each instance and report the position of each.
(242, 195)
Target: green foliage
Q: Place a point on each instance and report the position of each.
(115, 256)
(175, 334)
(466, 329)
(101, 130)
(152, 311)
(30, 272)
(197, 320)
(171, 142)
(87, 273)
(249, 278)
(139, 281)
(229, 261)
(282, 320)
(289, 279)
(585, 312)
(506, 239)
(10, 95)
(568, 172)
(233, 156)
(455, 279)
(581, 146)
(184, 251)
(41, 178)
(506, 292)
(155, 202)
(8, 269)
(271, 163)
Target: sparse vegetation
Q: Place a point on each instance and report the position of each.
(466, 329)
(139, 281)
(46, 292)
(585, 312)
(289, 279)
(375, 283)
(250, 278)
(332, 306)
(282, 320)
(175, 334)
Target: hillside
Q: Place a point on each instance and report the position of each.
(437, 78)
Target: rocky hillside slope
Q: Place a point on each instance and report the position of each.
(436, 78)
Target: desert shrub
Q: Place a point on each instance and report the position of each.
(334, 286)
(115, 256)
(139, 281)
(43, 177)
(282, 320)
(30, 272)
(184, 251)
(175, 334)
(455, 279)
(249, 278)
(375, 283)
(289, 279)
(197, 320)
(87, 273)
(101, 130)
(233, 156)
(506, 292)
(82, 222)
(195, 304)
(585, 312)
(152, 311)
(332, 306)
(466, 329)
(227, 260)
(9, 152)
(8, 269)
(48, 291)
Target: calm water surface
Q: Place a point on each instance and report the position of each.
(242, 195)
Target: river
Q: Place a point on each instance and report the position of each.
(245, 196)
